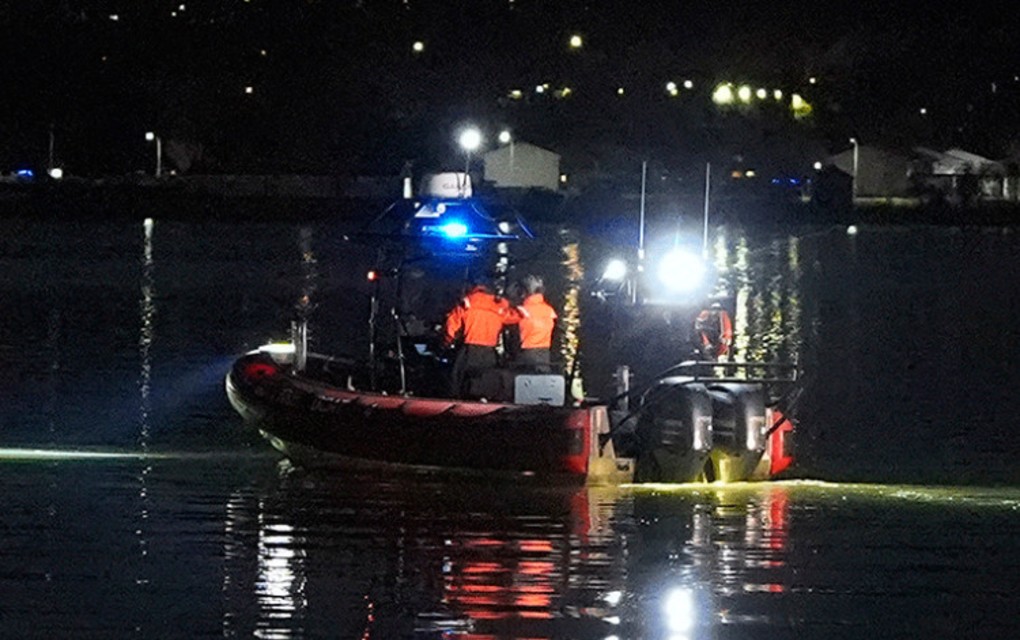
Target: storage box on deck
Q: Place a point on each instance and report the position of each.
(539, 389)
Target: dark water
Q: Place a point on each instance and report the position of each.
(134, 504)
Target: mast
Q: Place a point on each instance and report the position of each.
(704, 236)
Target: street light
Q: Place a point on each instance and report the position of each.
(150, 136)
(470, 140)
(853, 183)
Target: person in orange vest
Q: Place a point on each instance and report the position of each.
(536, 320)
(476, 324)
(714, 332)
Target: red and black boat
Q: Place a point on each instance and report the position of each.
(695, 421)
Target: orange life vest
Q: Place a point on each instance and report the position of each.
(715, 329)
(536, 320)
(480, 316)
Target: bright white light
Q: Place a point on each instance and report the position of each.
(540, 88)
(282, 348)
(613, 598)
(249, 89)
(924, 111)
(761, 94)
(470, 139)
(114, 17)
(744, 93)
(56, 173)
(851, 230)
(504, 137)
(681, 271)
(679, 610)
(418, 46)
(619, 91)
(615, 271)
(688, 84)
(576, 42)
(150, 136)
(671, 87)
(813, 80)
(778, 94)
(818, 166)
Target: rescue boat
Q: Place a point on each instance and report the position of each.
(699, 420)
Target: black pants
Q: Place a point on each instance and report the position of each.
(472, 359)
(535, 360)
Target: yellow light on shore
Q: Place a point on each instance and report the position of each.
(761, 94)
(576, 42)
(744, 93)
(723, 94)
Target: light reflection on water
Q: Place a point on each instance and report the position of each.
(136, 490)
(251, 551)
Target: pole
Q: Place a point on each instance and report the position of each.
(704, 235)
(853, 185)
(49, 168)
(641, 221)
(159, 156)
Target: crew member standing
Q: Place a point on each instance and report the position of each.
(536, 320)
(714, 330)
(476, 322)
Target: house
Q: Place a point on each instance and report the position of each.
(958, 173)
(520, 165)
(878, 173)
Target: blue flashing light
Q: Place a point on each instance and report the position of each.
(454, 229)
(25, 173)
(776, 181)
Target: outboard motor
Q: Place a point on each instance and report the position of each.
(674, 432)
(738, 422)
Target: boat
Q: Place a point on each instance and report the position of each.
(699, 420)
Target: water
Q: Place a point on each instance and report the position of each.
(136, 505)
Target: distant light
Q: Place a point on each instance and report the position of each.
(801, 107)
(263, 52)
(180, 8)
(818, 166)
(761, 94)
(56, 173)
(454, 229)
(25, 173)
(540, 88)
(619, 91)
(924, 111)
(249, 89)
(563, 178)
(778, 94)
(750, 173)
(576, 42)
(114, 17)
(813, 80)
(851, 230)
(688, 84)
(505, 137)
(744, 93)
(723, 94)
(516, 94)
(150, 136)
(418, 46)
(671, 87)
(616, 270)
(681, 271)
(564, 92)
(470, 139)
(372, 275)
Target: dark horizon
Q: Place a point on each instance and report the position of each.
(338, 89)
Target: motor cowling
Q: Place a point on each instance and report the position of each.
(738, 412)
(674, 432)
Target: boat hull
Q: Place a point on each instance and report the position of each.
(322, 425)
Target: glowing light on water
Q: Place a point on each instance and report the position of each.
(14, 454)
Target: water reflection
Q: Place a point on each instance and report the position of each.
(477, 562)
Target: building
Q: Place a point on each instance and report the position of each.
(520, 165)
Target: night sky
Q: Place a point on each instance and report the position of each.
(337, 87)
